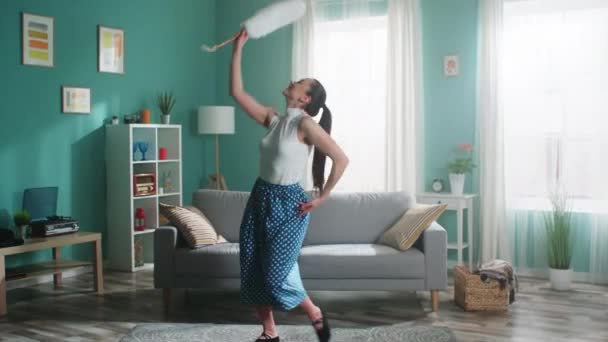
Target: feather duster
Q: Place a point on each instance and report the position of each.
(268, 20)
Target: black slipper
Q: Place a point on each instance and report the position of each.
(325, 332)
(266, 338)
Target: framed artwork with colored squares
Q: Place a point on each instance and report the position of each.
(38, 40)
(75, 100)
(111, 50)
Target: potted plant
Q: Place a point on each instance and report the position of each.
(166, 101)
(459, 167)
(558, 225)
(22, 219)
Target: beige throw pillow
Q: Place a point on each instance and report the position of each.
(408, 228)
(192, 224)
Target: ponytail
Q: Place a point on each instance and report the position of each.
(318, 161)
(318, 97)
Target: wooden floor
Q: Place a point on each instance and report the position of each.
(75, 313)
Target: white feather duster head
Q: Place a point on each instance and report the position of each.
(273, 17)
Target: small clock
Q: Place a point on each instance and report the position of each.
(437, 185)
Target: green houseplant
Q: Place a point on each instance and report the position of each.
(459, 167)
(558, 226)
(22, 219)
(166, 101)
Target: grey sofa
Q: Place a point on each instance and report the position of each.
(339, 252)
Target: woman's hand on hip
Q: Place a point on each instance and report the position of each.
(306, 207)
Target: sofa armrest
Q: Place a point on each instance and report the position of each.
(165, 241)
(434, 245)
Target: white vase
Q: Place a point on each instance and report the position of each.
(165, 119)
(457, 183)
(560, 279)
(23, 231)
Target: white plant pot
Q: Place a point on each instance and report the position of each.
(23, 231)
(560, 279)
(457, 183)
(165, 119)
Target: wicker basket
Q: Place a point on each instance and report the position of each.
(472, 294)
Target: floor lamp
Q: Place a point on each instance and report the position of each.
(216, 120)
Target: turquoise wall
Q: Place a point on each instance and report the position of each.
(40, 146)
(266, 71)
(449, 27)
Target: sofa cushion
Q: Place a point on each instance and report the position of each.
(224, 209)
(194, 227)
(404, 233)
(355, 217)
(352, 261)
(215, 261)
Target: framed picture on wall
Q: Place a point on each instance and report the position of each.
(111, 50)
(451, 65)
(37, 35)
(75, 100)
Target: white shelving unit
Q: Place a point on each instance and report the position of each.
(121, 201)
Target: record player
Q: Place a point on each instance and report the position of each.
(54, 225)
(42, 204)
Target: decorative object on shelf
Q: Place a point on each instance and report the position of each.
(145, 116)
(75, 100)
(111, 51)
(134, 150)
(161, 190)
(558, 225)
(144, 184)
(138, 248)
(167, 182)
(438, 185)
(115, 120)
(216, 120)
(22, 220)
(38, 42)
(451, 65)
(166, 101)
(162, 153)
(459, 167)
(129, 119)
(140, 219)
(143, 148)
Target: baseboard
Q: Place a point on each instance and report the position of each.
(543, 273)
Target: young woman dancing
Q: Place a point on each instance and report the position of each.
(278, 210)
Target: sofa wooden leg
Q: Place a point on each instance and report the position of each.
(166, 299)
(435, 300)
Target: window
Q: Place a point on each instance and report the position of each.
(556, 102)
(350, 60)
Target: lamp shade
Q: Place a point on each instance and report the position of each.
(216, 120)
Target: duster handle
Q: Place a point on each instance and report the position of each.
(217, 46)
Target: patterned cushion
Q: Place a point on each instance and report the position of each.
(403, 233)
(193, 226)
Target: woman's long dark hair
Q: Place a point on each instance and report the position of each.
(317, 102)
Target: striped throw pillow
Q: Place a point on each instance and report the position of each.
(410, 226)
(195, 228)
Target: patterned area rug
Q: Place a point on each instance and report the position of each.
(167, 332)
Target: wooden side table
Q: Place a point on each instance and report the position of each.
(458, 203)
(57, 265)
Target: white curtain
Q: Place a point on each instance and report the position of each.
(302, 61)
(404, 124)
(352, 46)
(556, 126)
(490, 130)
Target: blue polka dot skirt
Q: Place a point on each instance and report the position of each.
(271, 237)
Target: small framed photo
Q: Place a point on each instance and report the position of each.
(111, 50)
(451, 65)
(37, 35)
(75, 100)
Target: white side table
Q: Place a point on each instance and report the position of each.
(457, 203)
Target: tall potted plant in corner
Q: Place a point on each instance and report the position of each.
(459, 167)
(22, 220)
(558, 225)
(166, 101)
